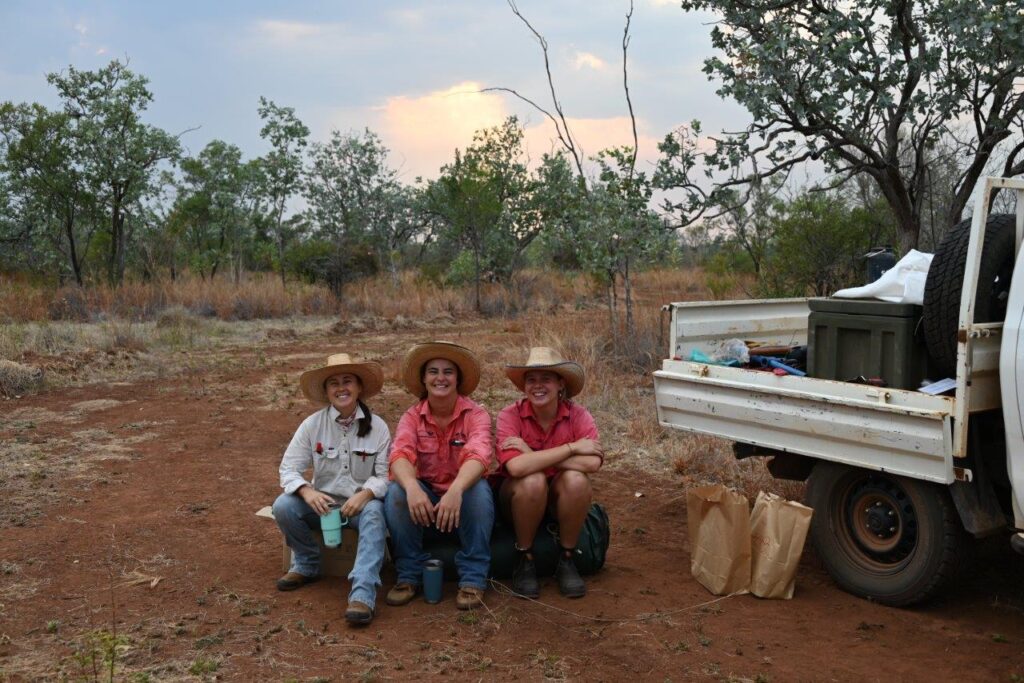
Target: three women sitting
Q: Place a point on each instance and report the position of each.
(441, 452)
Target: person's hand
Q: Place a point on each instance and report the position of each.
(587, 447)
(448, 509)
(354, 505)
(420, 508)
(516, 443)
(318, 500)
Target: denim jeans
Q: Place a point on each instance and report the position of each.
(476, 519)
(297, 520)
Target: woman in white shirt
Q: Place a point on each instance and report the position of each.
(347, 448)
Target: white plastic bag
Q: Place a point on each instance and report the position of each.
(901, 284)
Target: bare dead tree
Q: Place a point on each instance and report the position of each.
(625, 88)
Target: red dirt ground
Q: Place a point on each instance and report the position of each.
(181, 508)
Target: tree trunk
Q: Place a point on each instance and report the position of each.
(476, 267)
(630, 324)
(116, 261)
(76, 265)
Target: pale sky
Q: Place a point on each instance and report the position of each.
(408, 71)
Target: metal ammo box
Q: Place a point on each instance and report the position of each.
(850, 338)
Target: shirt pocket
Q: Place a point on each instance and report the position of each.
(427, 447)
(328, 466)
(361, 465)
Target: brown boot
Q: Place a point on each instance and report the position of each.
(469, 598)
(358, 613)
(401, 594)
(293, 580)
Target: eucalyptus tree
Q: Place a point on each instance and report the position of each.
(281, 168)
(867, 88)
(213, 212)
(621, 234)
(117, 154)
(484, 200)
(49, 200)
(355, 197)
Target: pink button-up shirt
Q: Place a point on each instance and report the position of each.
(572, 423)
(438, 456)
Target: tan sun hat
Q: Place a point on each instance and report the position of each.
(544, 358)
(370, 374)
(418, 355)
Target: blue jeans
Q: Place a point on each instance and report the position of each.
(476, 519)
(297, 520)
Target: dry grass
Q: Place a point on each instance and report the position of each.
(17, 379)
(261, 295)
(258, 296)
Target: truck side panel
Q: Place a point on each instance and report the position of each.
(813, 417)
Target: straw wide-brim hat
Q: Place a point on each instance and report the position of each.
(463, 358)
(370, 374)
(544, 358)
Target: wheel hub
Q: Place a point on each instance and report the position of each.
(881, 520)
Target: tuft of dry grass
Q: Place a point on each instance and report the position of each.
(17, 379)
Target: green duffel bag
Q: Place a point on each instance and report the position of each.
(591, 547)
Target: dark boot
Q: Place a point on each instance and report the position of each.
(570, 583)
(524, 577)
(1017, 543)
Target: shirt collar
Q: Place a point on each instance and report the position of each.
(462, 404)
(332, 413)
(526, 410)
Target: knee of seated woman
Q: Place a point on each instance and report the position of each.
(285, 504)
(571, 480)
(536, 483)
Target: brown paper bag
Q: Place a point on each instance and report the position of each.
(719, 524)
(778, 529)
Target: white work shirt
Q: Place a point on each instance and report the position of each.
(342, 464)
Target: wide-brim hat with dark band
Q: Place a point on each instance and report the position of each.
(370, 374)
(544, 358)
(420, 354)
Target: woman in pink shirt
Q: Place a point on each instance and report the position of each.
(547, 447)
(442, 449)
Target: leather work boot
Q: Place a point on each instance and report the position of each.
(1017, 543)
(401, 594)
(469, 598)
(524, 578)
(293, 580)
(570, 583)
(358, 613)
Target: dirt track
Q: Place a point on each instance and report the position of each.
(177, 503)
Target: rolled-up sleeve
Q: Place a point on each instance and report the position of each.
(583, 425)
(404, 445)
(298, 458)
(378, 483)
(509, 424)
(479, 446)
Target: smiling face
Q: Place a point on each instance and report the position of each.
(440, 378)
(542, 388)
(343, 391)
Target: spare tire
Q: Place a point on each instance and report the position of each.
(945, 283)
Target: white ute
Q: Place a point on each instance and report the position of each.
(896, 477)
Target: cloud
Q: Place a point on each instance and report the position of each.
(426, 129)
(594, 135)
(288, 33)
(586, 60)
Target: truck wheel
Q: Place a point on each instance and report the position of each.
(946, 279)
(883, 537)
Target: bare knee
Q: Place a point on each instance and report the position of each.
(573, 484)
(533, 486)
